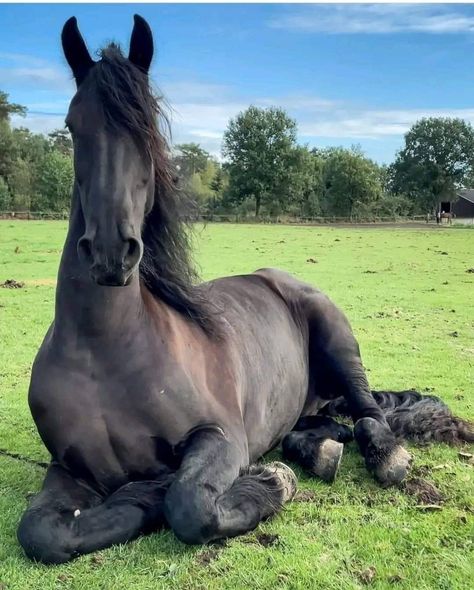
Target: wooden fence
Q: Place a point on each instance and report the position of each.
(235, 218)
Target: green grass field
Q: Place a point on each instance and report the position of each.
(411, 302)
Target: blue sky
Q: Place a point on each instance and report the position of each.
(349, 74)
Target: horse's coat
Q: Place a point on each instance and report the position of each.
(155, 397)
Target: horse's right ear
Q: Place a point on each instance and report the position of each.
(75, 50)
(141, 44)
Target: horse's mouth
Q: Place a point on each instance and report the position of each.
(112, 279)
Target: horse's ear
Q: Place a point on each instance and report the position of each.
(141, 44)
(75, 50)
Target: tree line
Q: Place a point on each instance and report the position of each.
(36, 171)
(264, 171)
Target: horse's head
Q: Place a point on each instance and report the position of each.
(112, 119)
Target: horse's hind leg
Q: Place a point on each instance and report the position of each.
(214, 497)
(336, 369)
(67, 519)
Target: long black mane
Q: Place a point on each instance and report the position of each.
(166, 267)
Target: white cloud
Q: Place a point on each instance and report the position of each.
(195, 91)
(29, 72)
(307, 103)
(22, 58)
(42, 123)
(201, 112)
(375, 19)
(203, 123)
(34, 77)
(52, 107)
(374, 124)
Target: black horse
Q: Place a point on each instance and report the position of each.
(156, 396)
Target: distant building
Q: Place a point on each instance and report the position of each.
(462, 208)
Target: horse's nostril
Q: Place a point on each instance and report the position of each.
(84, 248)
(133, 253)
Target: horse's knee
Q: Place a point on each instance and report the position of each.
(192, 517)
(45, 539)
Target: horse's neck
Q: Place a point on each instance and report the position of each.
(81, 304)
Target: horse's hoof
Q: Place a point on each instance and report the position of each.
(327, 460)
(395, 467)
(287, 478)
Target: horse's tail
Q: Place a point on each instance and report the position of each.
(413, 416)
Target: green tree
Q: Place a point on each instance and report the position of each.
(55, 182)
(195, 189)
(12, 173)
(8, 108)
(60, 140)
(259, 145)
(29, 146)
(20, 182)
(306, 185)
(217, 183)
(437, 159)
(5, 197)
(29, 151)
(352, 182)
(191, 158)
(8, 150)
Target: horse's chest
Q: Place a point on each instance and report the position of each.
(106, 430)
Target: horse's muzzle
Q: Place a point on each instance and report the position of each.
(111, 267)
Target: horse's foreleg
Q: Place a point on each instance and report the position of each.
(317, 443)
(66, 519)
(215, 496)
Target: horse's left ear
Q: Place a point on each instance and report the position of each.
(141, 44)
(75, 50)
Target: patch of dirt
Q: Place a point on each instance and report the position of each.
(395, 579)
(367, 576)
(12, 284)
(206, 557)
(97, 560)
(424, 491)
(305, 496)
(267, 539)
